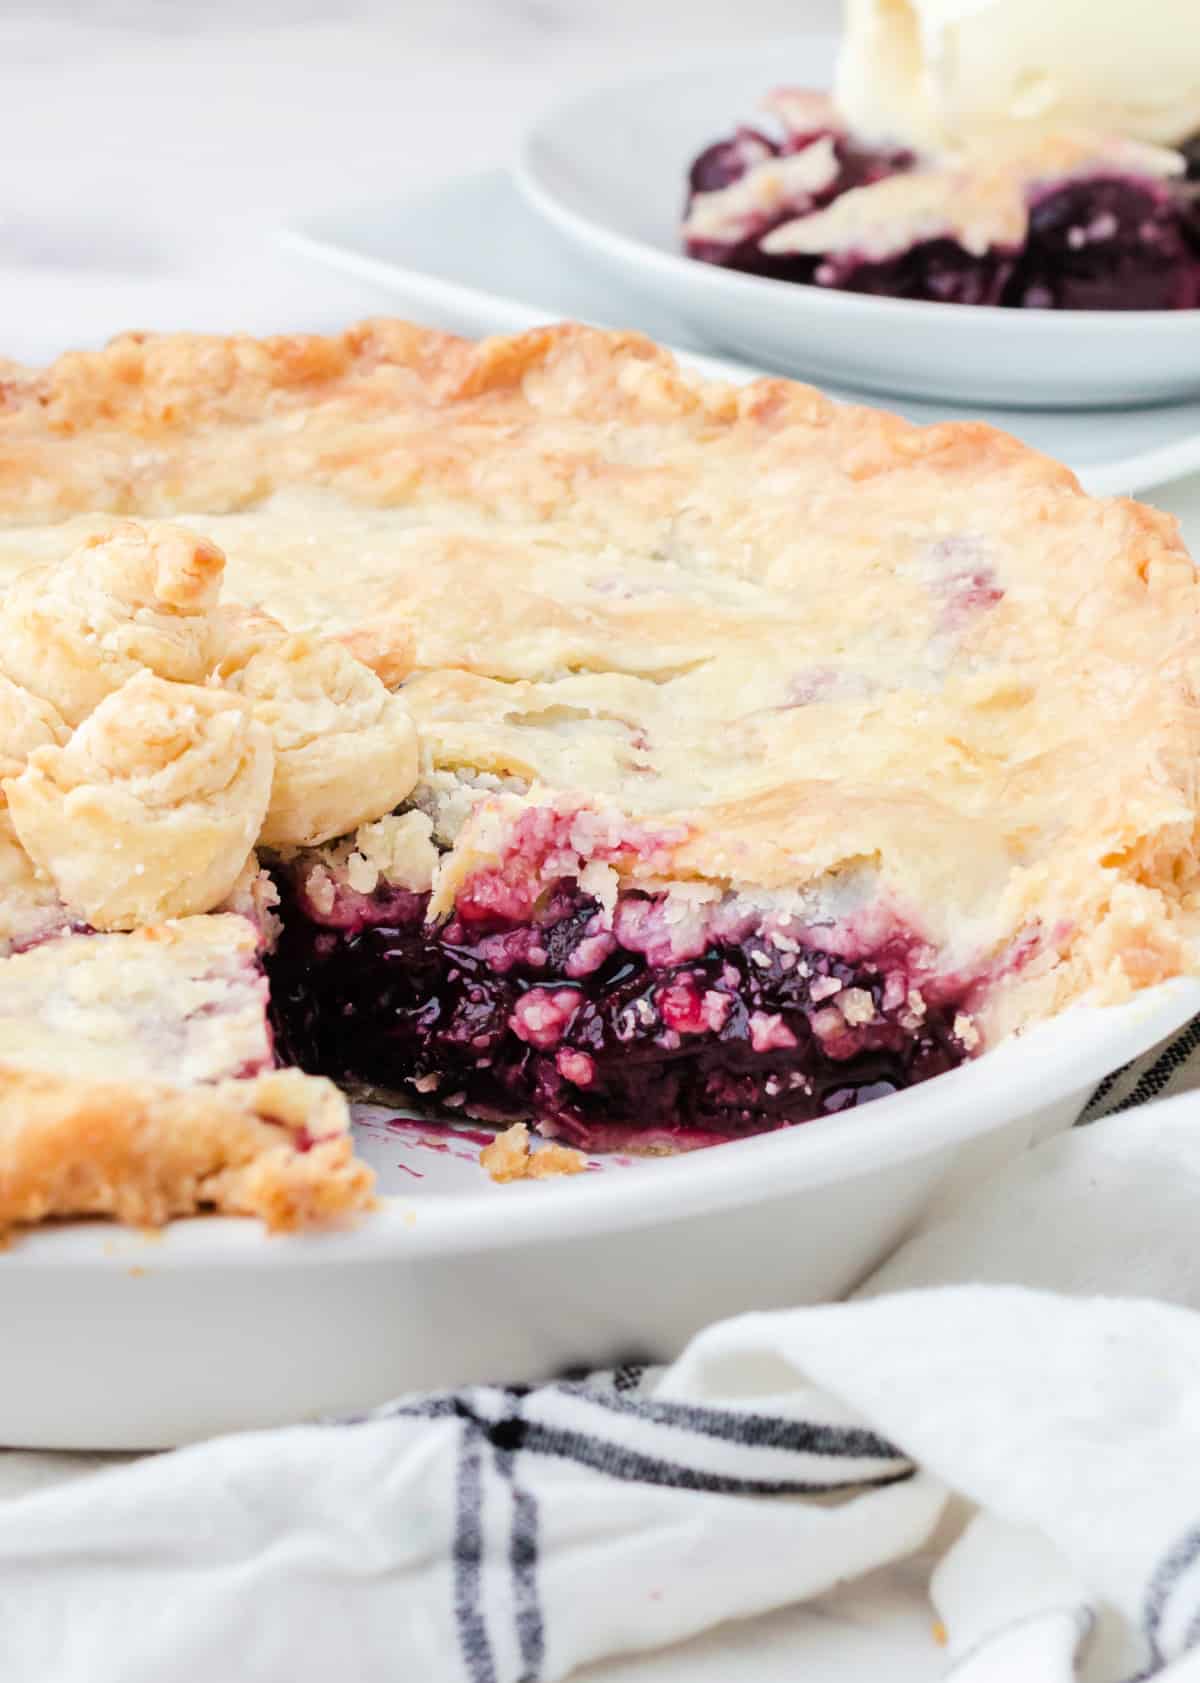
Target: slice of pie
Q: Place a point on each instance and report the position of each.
(1023, 217)
(559, 738)
(137, 1080)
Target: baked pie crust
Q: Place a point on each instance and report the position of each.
(771, 751)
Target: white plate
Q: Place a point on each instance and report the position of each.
(608, 168)
(116, 1340)
(473, 258)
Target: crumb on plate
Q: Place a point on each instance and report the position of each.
(511, 1157)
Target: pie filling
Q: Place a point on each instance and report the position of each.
(608, 1029)
(1102, 242)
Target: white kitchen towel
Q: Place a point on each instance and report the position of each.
(1044, 1436)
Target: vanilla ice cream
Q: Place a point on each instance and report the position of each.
(931, 73)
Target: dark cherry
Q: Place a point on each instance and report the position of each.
(726, 162)
(937, 270)
(1107, 245)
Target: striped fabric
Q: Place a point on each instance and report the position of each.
(1171, 1067)
(611, 1428)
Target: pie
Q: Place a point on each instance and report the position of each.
(1022, 217)
(532, 731)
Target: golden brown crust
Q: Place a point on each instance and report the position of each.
(805, 635)
(511, 1156)
(135, 1082)
(143, 1152)
(200, 729)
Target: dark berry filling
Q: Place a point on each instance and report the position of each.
(940, 270)
(726, 162)
(1108, 245)
(1094, 244)
(589, 1030)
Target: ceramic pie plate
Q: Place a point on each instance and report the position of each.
(120, 1340)
(607, 170)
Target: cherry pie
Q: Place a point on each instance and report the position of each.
(531, 730)
(1024, 218)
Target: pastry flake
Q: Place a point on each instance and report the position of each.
(511, 1156)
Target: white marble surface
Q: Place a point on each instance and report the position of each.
(160, 143)
(153, 146)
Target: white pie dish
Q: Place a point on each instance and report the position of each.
(607, 169)
(116, 1340)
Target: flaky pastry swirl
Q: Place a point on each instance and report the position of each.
(130, 597)
(151, 809)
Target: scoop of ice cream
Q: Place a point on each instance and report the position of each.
(930, 73)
